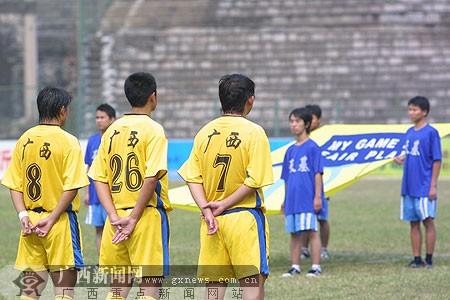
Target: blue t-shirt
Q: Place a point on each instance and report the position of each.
(422, 148)
(91, 153)
(300, 165)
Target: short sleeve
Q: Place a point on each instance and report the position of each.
(98, 170)
(259, 169)
(285, 166)
(74, 174)
(436, 151)
(13, 177)
(88, 153)
(156, 157)
(190, 171)
(317, 160)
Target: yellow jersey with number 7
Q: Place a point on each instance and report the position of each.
(228, 152)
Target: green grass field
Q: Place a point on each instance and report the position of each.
(369, 246)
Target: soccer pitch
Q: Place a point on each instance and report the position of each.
(369, 249)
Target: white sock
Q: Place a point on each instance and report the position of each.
(316, 267)
(297, 267)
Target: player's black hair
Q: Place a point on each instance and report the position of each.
(315, 110)
(108, 109)
(304, 114)
(234, 90)
(50, 100)
(420, 102)
(139, 87)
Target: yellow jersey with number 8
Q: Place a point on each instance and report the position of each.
(46, 162)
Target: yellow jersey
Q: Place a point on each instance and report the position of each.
(228, 152)
(133, 148)
(46, 162)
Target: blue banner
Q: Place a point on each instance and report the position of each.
(361, 148)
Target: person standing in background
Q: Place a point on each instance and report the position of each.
(96, 214)
(322, 216)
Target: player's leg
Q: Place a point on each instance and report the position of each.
(32, 258)
(430, 240)
(253, 287)
(410, 212)
(311, 228)
(315, 246)
(114, 260)
(64, 253)
(315, 253)
(149, 250)
(295, 248)
(64, 282)
(416, 243)
(416, 238)
(292, 226)
(324, 238)
(427, 214)
(304, 246)
(324, 226)
(98, 237)
(248, 232)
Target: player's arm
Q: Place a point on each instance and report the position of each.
(218, 207)
(43, 227)
(318, 191)
(86, 194)
(12, 179)
(74, 178)
(198, 194)
(127, 224)
(436, 155)
(155, 168)
(104, 195)
(259, 173)
(284, 199)
(88, 162)
(98, 173)
(19, 205)
(285, 177)
(434, 178)
(192, 174)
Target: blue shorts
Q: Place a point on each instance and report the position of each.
(413, 209)
(96, 215)
(296, 223)
(323, 213)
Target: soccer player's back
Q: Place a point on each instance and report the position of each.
(228, 150)
(130, 175)
(227, 168)
(44, 176)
